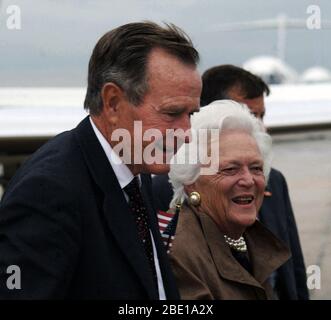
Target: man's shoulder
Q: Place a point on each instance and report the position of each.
(188, 228)
(276, 177)
(160, 179)
(59, 159)
(57, 154)
(276, 174)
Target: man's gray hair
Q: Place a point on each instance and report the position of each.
(223, 115)
(121, 57)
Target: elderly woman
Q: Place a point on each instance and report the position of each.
(220, 250)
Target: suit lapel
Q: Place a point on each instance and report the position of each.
(115, 208)
(122, 225)
(169, 283)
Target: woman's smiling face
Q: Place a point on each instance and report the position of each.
(233, 196)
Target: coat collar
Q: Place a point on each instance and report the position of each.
(267, 253)
(116, 211)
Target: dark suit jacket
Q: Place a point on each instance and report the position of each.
(276, 213)
(65, 222)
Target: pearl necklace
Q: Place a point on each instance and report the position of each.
(238, 245)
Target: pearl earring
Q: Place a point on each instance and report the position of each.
(194, 198)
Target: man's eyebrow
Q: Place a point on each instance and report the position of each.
(178, 109)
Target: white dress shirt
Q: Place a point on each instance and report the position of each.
(124, 177)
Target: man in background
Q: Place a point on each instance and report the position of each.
(231, 82)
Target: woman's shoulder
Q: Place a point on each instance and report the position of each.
(188, 223)
(189, 238)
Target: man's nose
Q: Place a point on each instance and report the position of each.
(185, 125)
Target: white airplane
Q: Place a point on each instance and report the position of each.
(300, 106)
(40, 113)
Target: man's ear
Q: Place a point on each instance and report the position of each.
(112, 97)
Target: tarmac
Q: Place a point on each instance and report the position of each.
(305, 160)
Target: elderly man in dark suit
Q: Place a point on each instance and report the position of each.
(231, 82)
(77, 219)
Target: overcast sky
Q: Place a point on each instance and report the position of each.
(57, 36)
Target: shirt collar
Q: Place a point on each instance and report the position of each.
(122, 172)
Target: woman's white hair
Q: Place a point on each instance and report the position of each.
(222, 115)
